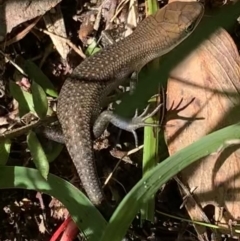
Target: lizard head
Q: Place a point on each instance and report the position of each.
(171, 24)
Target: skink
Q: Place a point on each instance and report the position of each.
(81, 94)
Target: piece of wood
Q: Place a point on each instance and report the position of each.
(203, 97)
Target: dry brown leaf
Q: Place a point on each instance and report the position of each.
(108, 10)
(55, 24)
(205, 94)
(13, 13)
(86, 27)
(132, 18)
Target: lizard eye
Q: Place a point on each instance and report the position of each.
(189, 28)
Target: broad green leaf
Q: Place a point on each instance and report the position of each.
(92, 49)
(39, 100)
(36, 74)
(23, 98)
(154, 179)
(84, 214)
(4, 151)
(52, 150)
(39, 158)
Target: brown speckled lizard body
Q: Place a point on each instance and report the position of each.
(80, 96)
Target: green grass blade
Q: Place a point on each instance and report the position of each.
(151, 6)
(150, 160)
(151, 137)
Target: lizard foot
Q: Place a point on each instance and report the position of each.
(126, 124)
